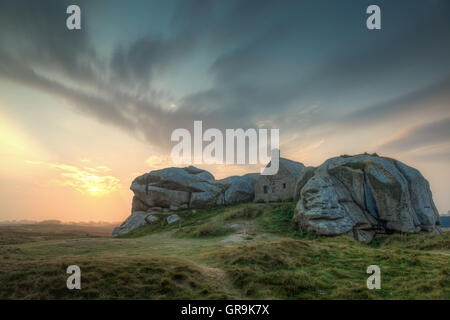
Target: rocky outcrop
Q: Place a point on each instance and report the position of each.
(363, 196)
(188, 187)
(167, 190)
(238, 188)
(135, 220)
(172, 218)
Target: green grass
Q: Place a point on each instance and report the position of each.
(16, 234)
(188, 220)
(411, 241)
(247, 211)
(277, 219)
(209, 230)
(193, 260)
(334, 268)
(204, 223)
(217, 226)
(111, 278)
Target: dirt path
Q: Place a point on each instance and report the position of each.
(220, 277)
(440, 252)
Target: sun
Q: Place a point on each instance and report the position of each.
(93, 189)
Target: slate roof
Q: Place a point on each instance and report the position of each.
(294, 167)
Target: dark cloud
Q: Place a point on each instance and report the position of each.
(433, 98)
(101, 108)
(135, 65)
(266, 61)
(428, 134)
(35, 33)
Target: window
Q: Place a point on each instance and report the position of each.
(265, 189)
(284, 185)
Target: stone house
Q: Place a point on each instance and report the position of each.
(280, 186)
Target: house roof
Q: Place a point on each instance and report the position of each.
(294, 167)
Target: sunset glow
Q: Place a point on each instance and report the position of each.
(93, 189)
(83, 113)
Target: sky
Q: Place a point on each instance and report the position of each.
(83, 112)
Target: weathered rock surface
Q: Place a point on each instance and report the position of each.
(188, 187)
(362, 196)
(151, 219)
(134, 221)
(171, 189)
(238, 188)
(173, 218)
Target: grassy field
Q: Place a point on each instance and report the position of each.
(16, 234)
(242, 251)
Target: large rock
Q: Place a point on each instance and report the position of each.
(172, 218)
(238, 188)
(171, 189)
(189, 187)
(363, 196)
(150, 219)
(134, 221)
(138, 205)
(154, 196)
(180, 179)
(204, 199)
(306, 174)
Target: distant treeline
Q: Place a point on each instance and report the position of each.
(58, 222)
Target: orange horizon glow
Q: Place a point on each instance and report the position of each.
(88, 179)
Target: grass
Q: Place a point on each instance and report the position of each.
(16, 234)
(210, 230)
(277, 219)
(334, 268)
(411, 241)
(204, 223)
(108, 278)
(188, 219)
(192, 260)
(217, 225)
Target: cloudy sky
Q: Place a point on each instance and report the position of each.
(83, 112)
